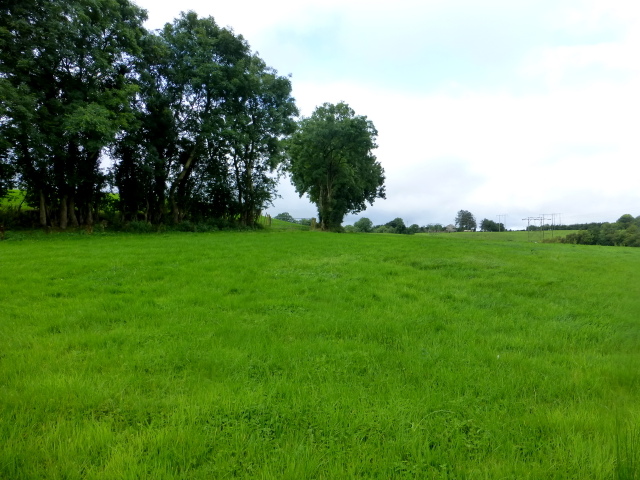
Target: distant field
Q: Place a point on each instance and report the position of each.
(297, 355)
(14, 199)
(282, 225)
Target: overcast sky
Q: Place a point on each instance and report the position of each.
(516, 107)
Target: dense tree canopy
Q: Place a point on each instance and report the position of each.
(490, 226)
(215, 116)
(625, 232)
(194, 121)
(64, 80)
(331, 161)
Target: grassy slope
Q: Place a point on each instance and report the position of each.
(309, 355)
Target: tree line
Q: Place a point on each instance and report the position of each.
(624, 232)
(195, 126)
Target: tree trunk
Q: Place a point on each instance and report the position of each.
(72, 211)
(175, 211)
(43, 210)
(324, 209)
(63, 212)
(176, 183)
(89, 215)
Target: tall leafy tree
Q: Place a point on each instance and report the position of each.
(331, 161)
(200, 71)
(262, 118)
(64, 76)
(146, 150)
(465, 220)
(224, 114)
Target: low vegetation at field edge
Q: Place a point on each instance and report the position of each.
(308, 355)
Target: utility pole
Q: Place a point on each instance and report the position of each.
(505, 221)
(542, 219)
(553, 221)
(529, 220)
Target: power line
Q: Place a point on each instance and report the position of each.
(552, 217)
(529, 220)
(505, 221)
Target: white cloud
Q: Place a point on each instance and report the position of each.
(495, 107)
(521, 153)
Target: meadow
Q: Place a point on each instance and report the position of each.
(305, 355)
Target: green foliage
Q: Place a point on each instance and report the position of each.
(490, 226)
(363, 225)
(194, 120)
(331, 161)
(139, 227)
(7, 172)
(367, 356)
(65, 83)
(215, 116)
(15, 212)
(414, 228)
(433, 228)
(623, 233)
(285, 217)
(465, 221)
(383, 229)
(625, 221)
(396, 226)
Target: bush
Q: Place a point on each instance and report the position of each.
(138, 226)
(285, 217)
(363, 225)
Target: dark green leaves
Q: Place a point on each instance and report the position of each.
(331, 161)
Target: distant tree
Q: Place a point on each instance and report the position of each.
(465, 221)
(490, 226)
(450, 228)
(434, 227)
(331, 161)
(383, 229)
(625, 232)
(285, 217)
(414, 228)
(625, 220)
(363, 225)
(397, 225)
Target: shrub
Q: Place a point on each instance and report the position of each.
(138, 226)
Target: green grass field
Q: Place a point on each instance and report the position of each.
(302, 355)
(13, 200)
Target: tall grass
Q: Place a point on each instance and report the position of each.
(308, 355)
